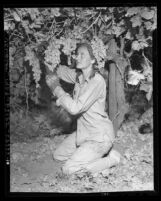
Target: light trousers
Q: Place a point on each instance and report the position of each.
(87, 157)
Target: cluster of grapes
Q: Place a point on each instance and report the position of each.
(52, 55)
(77, 33)
(99, 51)
(69, 47)
(34, 62)
(69, 44)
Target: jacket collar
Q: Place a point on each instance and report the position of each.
(80, 78)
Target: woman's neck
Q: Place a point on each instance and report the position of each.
(86, 72)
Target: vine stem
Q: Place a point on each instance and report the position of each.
(20, 108)
(51, 28)
(16, 35)
(92, 16)
(26, 94)
(92, 23)
(147, 60)
(128, 55)
(61, 29)
(102, 19)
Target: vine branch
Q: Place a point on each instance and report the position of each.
(92, 24)
(146, 59)
(26, 94)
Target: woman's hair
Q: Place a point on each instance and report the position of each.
(89, 48)
(95, 69)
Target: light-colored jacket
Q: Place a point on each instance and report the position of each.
(89, 101)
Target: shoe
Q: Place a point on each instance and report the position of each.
(114, 157)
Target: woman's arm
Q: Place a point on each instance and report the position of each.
(66, 74)
(85, 101)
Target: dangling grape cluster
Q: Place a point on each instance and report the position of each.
(99, 51)
(34, 62)
(69, 46)
(77, 33)
(52, 55)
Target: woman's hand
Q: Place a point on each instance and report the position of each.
(59, 92)
(57, 102)
(52, 81)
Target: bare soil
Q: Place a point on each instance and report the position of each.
(33, 169)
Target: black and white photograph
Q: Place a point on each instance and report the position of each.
(80, 98)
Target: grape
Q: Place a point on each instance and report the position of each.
(52, 55)
(99, 51)
(69, 46)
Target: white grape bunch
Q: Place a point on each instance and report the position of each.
(52, 55)
(69, 46)
(99, 51)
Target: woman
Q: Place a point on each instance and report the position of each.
(84, 149)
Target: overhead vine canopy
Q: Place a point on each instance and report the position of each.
(44, 34)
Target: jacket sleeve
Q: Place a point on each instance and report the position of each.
(66, 74)
(95, 89)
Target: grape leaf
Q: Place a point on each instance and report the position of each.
(136, 45)
(118, 30)
(106, 18)
(109, 31)
(16, 17)
(55, 12)
(132, 11)
(101, 8)
(136, 21)
(144, 87)
(147, 14)
(143, 44)
(111, 9)
(6, 26)
(34, 12)
(135, 77)
(128, 35)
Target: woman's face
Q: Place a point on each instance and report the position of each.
(83, 58)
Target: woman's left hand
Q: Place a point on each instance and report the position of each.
(58, 92)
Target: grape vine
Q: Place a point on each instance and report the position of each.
(52, 55)
(61, 29)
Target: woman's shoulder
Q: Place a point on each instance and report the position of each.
(99, 78)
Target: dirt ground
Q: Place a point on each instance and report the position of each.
(32, 168)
